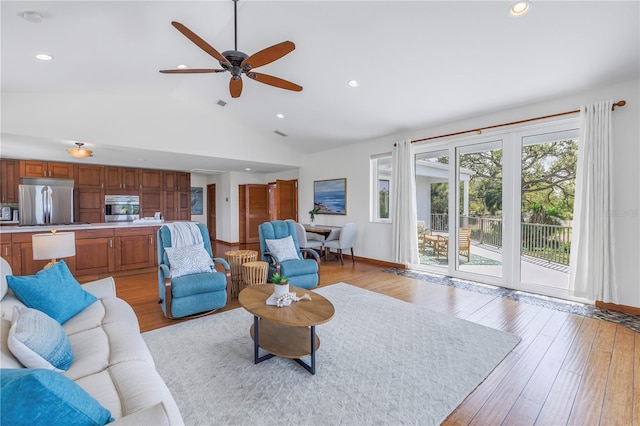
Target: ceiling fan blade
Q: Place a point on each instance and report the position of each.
(268, 55)
(200, 42)
(235, 87)
(192, 71)
(274, 81)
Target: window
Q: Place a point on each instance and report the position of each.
(380, 188)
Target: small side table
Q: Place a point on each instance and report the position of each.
(254, 273)
(236, 259)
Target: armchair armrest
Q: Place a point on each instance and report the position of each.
(312, 252)
(164, 280)
(272, 259)
(223, 262)
(227, 272)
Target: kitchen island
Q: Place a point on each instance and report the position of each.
(102, 249)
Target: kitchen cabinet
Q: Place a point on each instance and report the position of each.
(10, 253)
(35, 168)
(135, 248)
(95, 252)
(150, 180)
(89, 205)
(10, 179)
(89, 177)
(177, 196)
(150, 202)
(121, 179)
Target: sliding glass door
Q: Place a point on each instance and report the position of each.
(498, 208)
(479, 183)
(432, 202)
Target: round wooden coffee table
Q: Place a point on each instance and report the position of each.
(290, 331)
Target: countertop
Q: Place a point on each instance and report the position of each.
(79, 227)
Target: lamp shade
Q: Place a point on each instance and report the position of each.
(54, 245)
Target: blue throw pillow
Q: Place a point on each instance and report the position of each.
(53, 291)
(44, 397)
(38, 341)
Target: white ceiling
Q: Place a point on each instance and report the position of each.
(419, 63)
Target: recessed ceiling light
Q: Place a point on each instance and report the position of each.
(182, 67)
(247, 169)
(44, 57)
(520, 8)
(354, 83)
(33, 17)
(280, 115)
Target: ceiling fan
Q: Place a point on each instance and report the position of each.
(238, 63)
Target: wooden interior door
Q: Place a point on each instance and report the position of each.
(253, 210)
(285, 201)
(211, 211)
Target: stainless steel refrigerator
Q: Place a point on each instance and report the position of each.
(45, 201)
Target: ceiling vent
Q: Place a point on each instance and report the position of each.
(222, 103)
(278, 132)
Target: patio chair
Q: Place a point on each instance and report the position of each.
(464, 243)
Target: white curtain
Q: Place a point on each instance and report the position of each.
(403, 205)
(592, 247)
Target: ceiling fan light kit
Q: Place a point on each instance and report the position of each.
(237, 62)
(80, 152)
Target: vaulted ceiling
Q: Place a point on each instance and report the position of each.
(418, 63)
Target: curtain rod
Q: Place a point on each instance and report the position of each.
(479, 130)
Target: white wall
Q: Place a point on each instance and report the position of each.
(373, 240)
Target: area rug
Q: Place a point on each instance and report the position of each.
(380, 361)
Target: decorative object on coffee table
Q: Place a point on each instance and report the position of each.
(281, 285)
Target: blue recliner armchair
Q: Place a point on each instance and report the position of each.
(194, 294)
(301, 272)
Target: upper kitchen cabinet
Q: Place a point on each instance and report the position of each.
(121, 179)
(35, 169)
(150, 180)
(10, 174)
(89, 177)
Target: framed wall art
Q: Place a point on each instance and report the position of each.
(196, 200)
(330, 196)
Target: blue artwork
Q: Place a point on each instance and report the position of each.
(196, 200)
(330, 196)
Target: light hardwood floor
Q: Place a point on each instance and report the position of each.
(568, 369)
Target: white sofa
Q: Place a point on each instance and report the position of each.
(111, 360)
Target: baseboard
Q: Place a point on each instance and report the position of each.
(383, 263)
(226, 242)
(620, 308)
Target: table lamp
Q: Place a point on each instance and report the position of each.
(54, 245)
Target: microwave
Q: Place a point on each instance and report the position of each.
(121, 208)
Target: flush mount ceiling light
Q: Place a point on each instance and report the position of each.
(80, 152)
(520, 8)
(354, 83)
(182, 67)
(280, 115)
(44, 57)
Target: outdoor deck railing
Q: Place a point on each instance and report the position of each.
(548, 242)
